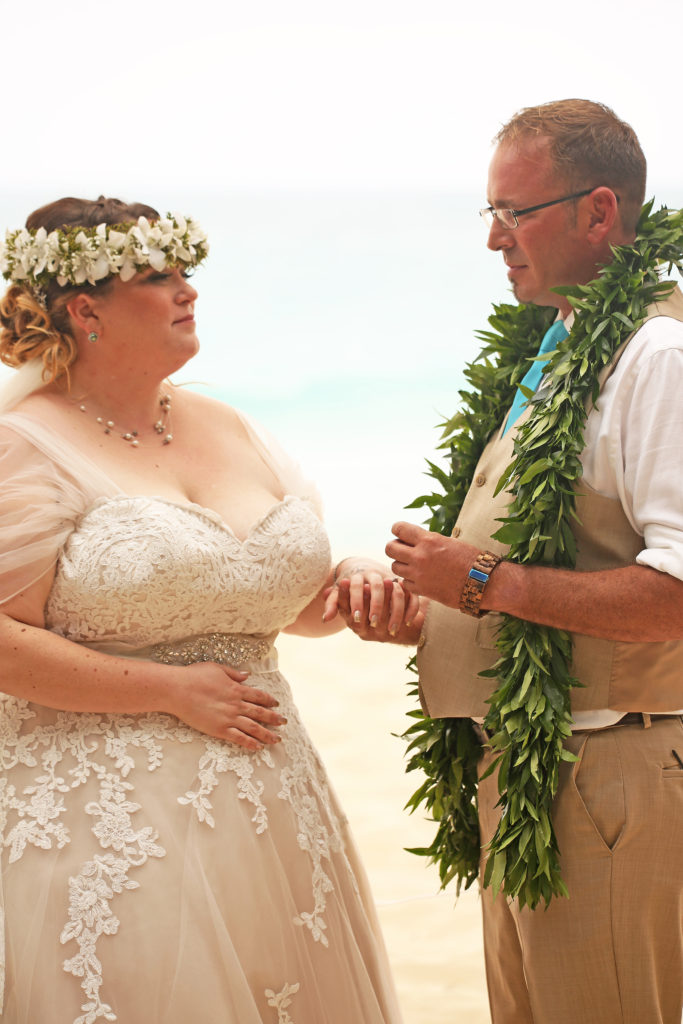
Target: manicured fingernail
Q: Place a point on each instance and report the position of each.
(373, 621)
(356, 616)
(409, 624)
(393, 630)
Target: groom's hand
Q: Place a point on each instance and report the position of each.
(430, 563)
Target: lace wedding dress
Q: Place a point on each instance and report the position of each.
(151, 874)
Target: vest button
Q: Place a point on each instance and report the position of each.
(421, 642)
(456, 531)
(480, 479)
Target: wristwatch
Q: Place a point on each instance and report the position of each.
(477, 578)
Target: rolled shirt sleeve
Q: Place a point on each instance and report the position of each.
(634, 441)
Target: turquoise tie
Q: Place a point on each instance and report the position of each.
(552, 337)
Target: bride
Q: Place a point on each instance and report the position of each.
(171, 848)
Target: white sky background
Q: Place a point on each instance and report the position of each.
(180, 104)
(312, 93)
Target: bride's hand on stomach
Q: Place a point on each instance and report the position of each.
(217, 702)
(49, 670)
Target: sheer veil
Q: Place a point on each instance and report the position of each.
(20, 383)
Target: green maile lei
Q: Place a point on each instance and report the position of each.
(529, 714)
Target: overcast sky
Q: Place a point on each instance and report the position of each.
(313, 93)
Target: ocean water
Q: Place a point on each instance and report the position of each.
(342, 322)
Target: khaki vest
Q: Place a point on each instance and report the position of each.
(455, 648)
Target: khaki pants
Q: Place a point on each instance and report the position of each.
(613, 952)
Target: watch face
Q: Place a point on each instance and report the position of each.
(480, 577)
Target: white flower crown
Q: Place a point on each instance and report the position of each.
(89, 255)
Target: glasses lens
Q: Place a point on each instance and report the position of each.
(505, 218)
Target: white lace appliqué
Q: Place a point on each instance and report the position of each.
(304, 786)
(77, 749)
(282, 1001)
(134, 570)
(81, 744)
(220, 757)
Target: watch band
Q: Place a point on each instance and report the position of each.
(477, 578)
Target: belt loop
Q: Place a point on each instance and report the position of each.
(647, 721)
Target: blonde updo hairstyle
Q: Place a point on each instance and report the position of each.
(27, 330)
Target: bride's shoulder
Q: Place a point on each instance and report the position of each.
(14, 424)
(40, 405)
(211, 411)
(36, 418)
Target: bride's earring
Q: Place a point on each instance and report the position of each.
(93, 336)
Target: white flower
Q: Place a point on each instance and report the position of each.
(92, 254)
(54, 254)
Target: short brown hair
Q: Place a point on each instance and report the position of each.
(589, 146)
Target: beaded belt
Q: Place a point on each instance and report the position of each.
(224, 648)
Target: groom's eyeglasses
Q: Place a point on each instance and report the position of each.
(509, 218)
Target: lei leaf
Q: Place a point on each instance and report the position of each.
(529, 715)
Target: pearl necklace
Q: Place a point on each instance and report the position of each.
(162, 425)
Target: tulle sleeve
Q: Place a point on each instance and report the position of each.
(41, 501)
(287, 470)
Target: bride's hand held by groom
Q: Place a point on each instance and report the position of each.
(374, 603)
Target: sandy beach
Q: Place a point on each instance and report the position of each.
(353, 696)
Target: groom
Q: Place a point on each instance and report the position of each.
(566, 184)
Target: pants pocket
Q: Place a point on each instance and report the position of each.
(599, 782)
(673, 768)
